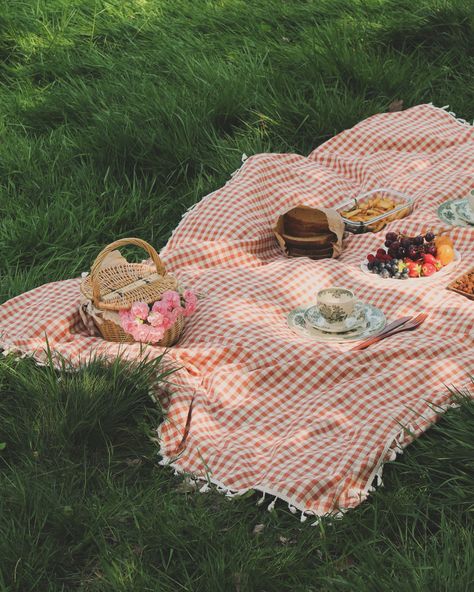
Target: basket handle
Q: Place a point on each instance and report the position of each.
(96, 266)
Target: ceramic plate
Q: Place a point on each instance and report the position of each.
(315, 319)
(442, 272)
(449, 212)
(374, 322)
(465, 212)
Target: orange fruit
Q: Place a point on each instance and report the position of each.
(445, 253)
(443, 239)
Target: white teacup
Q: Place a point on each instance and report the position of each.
(336, 304)
(470, 201)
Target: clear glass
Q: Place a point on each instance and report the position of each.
(403, 208)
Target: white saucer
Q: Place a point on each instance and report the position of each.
(374, 323)
(449, 212)
(465, 212)
(315, 319)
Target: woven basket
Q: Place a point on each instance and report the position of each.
(117, 287)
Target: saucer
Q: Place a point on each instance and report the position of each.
(465, 212)
(450, 212)
(315, 319)
(374, 322)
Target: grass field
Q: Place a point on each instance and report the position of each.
(115, 117)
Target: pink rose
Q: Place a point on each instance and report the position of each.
(190, 299)
(156, 333)
(189, 309)
(129, 326)
(160, 306)
(142, 333)
(171, 299)
(140, 310)
(124, 315)
(174, 314)
(128, 321)
(156, 319)
(167, 322)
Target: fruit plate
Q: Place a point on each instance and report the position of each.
(446, 270)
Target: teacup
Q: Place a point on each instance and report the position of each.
(336, 304)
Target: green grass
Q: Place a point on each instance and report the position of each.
(114, 118)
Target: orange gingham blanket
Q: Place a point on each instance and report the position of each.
(311, 423)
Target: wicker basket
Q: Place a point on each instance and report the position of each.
(117, 287)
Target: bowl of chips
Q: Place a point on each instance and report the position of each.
(373, 210)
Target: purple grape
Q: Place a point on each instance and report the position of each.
(391, 236)
(431, 250)
(418, 240)
(402, 252)
(392, 252)
(412, 253)
(405, 242)
(388, 243)
(429, 236)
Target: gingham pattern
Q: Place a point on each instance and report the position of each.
(311, 423)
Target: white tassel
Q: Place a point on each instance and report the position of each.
(393, 455)
(231, 494)
(378, 477)
(303, 517)
(204, 488)
(261, 500)
(292, 509)
(272, 505)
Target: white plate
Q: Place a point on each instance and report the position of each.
(374, 323)
(446, 270)
(315, 319)
(449, 213)
(465, 212)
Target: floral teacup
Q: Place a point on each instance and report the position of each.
(335, 305)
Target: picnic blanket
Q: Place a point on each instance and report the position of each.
(310, 423)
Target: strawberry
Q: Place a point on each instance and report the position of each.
(427, 258)
(381, 253)
(413, 268)
(370, 258)
(428, 269)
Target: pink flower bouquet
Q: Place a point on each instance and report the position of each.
(148, 324)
